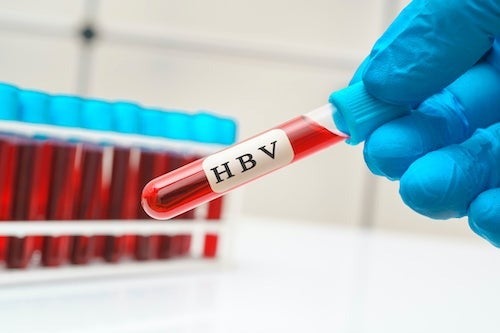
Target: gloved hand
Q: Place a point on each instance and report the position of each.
(441, 57)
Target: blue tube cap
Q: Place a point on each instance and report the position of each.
(65, 111)
(96, 115)
(205, 128)
(227, 131)
(151, 122)
(126, 117)
(177, 126)
(34, 106)
(9, 102)
(209, 128)
(359, 113)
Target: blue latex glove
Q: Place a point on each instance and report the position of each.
(441, 57)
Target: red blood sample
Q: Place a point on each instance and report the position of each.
(211, 240)
(146, 247)
(164, 162)
(181, 243)
(185, 188)
(114, 246)
(31, 196)
(63, 189)
(40, 188)
(131, 197)
(215, 209)
(90, 204)
(8, 175)
(210, 247)
(20, 249)
(164, 247)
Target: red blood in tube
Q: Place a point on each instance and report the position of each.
(132, 190)
(214, 214)
(144, 244)
(166, 243)
(8, 175)
(185, 244)
(131, 197)
(20, 249)
(164, 247)
(90, 202)
(114, 246)
(62, 198)
(215, 209)
(40, 190)
(181, 243)
(162, 164)
(210, 247)
(188, 187)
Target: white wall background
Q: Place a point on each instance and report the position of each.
(260, 61)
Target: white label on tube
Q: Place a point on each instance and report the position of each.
(248, 160)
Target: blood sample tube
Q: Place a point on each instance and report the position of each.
(65, 186)
(33, 179)
(203, 129)
(162, 162)
(125, 120)
(214, 214)
(9, 99)
(96, 169)
(41, 183)
(143, 243)
(64, 111)
(177, 126)
(131, 197)
(208, 178)
(90, 201)
(19, 249)
(8, 175)
(355, 111)
(169, 246)
(181, 243)
(146, 247)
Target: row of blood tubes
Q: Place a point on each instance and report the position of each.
(51, 179)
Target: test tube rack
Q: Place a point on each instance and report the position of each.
(71, 175)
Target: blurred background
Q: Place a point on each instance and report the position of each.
(261, 62)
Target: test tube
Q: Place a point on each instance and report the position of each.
(207, 128)
(355, 111)
(123, 182)
(64, 111)
(8, 174)
(178, 126)
(151, 161)
(19, 249)
(96, 170)
(66, 181)
(33, 178)
(208, 178)
(9, 99)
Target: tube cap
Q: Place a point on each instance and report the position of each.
(65, 111)
(177, 125)
(227, 131)
(359, 113)
(96, 115)
(210, 128)
(9, 102)
(126, 117)
(151, 122)
(204, 127)
(34, 106)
